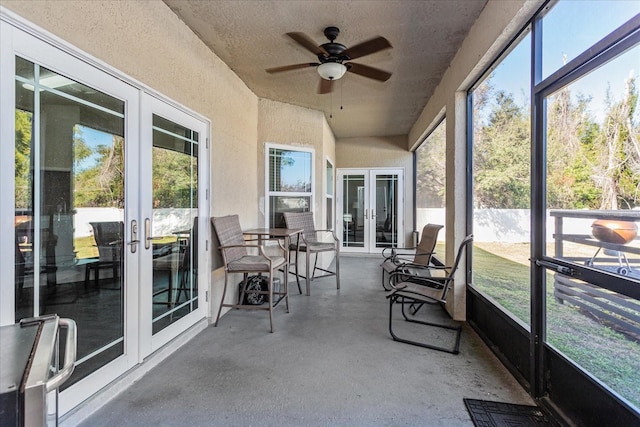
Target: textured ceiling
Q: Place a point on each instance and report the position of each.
(250, 36)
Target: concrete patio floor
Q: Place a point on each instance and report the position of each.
(330, 362)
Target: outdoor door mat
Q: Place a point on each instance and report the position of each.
(497, 414)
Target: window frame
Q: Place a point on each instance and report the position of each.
(267, 173)
(329, 195)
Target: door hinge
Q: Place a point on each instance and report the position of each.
(207, 143)
(206, 245)
(206, 296)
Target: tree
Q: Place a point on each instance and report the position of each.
(431, 169)
(572, 150)
(618, 171)
(23, 190)
(174, 179)
(502, 157)
(101, 185)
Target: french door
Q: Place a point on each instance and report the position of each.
(103, 196)
(173, 210)
(372, 216)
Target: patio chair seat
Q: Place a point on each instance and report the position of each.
(254, 263)
(315, 247)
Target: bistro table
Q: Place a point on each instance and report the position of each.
(279, 233)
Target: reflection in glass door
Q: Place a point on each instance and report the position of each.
(353, 209)
(385, 214)
(174, 225)
(173, 210)
(371, 203)
(70, 210)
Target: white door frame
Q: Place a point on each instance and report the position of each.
(369, 199)
(17, 42)
(19, 37)
(151, 105)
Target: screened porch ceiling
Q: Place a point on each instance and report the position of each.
(250, 36)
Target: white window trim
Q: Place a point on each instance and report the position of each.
(267, 193)
(331, 196)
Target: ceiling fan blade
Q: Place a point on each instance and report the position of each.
(291, 67)
(325, 86)
(366, 48)
(366, 71)
(305, 41)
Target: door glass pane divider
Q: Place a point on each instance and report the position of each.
(65, 95)
(98, 351)
(175, 135)
(37, 186)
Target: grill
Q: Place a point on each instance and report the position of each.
(30, 372)
(612, 232)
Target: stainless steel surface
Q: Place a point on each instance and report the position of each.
(29, 366)
(15, 351)
(69, 355)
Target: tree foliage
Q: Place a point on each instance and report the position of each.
(431, 170)
(23, 160)
(502, 156)
(590, 165)
(101, 184)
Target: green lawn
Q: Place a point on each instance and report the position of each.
(608, 355)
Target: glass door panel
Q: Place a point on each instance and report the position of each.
(386, 210)
(353, 210)
(175, 222)
(69, 210)
(592, 181)
(173, 210)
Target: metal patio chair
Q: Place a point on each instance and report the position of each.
(414, 261)
(236, 259)
(312, 243)
(425, 290)
(109, 237)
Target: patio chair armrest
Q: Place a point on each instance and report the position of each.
(388, 256)
(414, 294)
(332, 232)
(395, 252)
(280, 245)
(430, 282)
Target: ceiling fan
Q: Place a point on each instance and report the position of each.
(333, 58)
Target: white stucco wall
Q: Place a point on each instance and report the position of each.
(287, 124)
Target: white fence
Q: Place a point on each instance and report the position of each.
(503, 225)
(165, 221)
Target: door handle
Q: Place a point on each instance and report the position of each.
(134, 236)
(147, 233)
(148, 238)
(365, 213)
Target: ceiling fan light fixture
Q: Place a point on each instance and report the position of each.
(331, 70)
